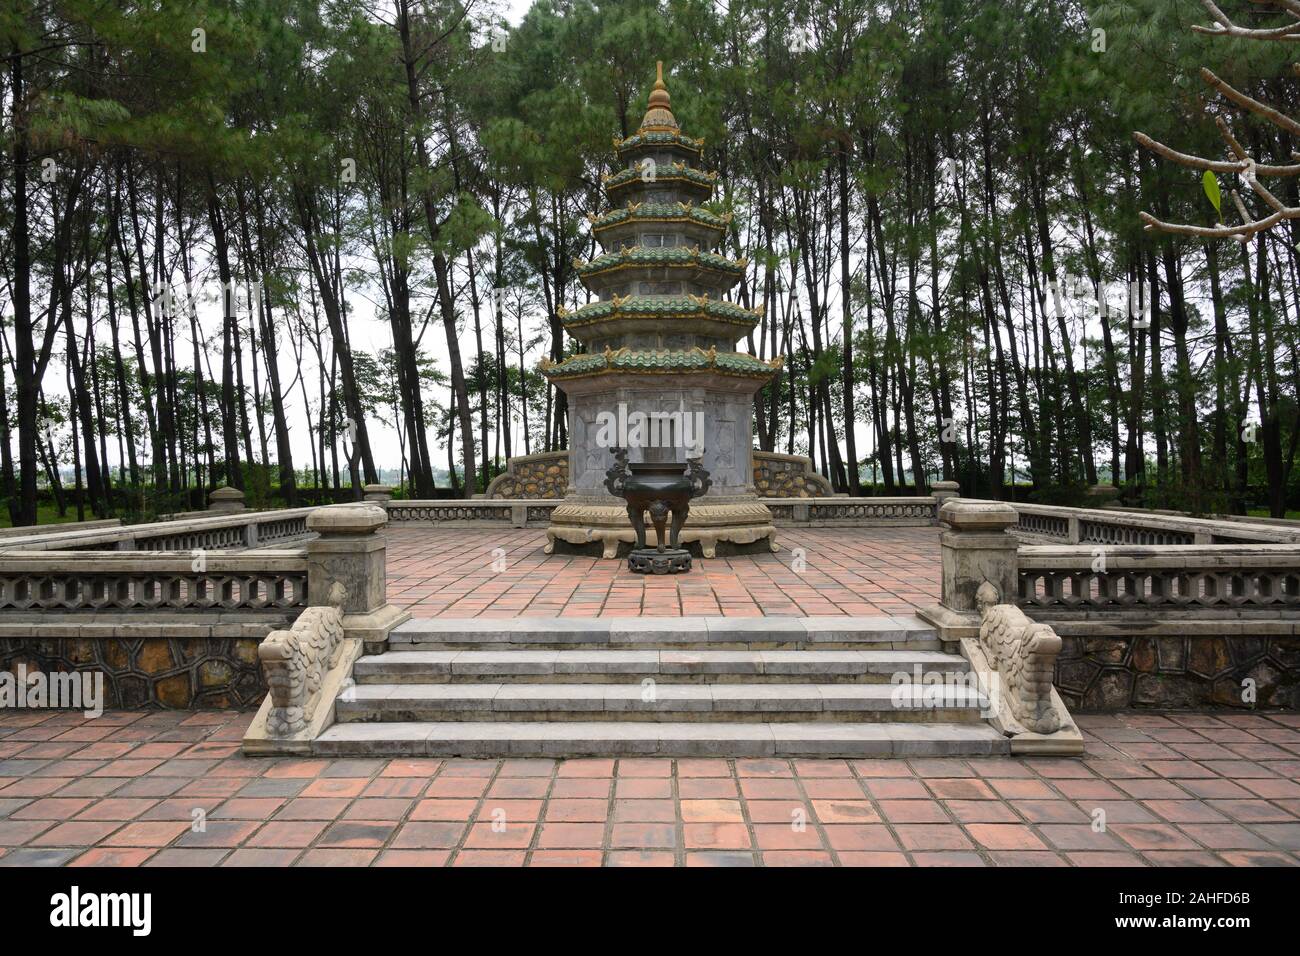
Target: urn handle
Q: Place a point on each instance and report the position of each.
(616, 477)
(698, 477)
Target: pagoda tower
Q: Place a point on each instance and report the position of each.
(659, 372)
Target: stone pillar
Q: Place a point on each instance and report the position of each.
(379, 494)
(226, 499)
(941, 491)
(976, 545)
(351, 551)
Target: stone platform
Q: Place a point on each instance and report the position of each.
(504, 573)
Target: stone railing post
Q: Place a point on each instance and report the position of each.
(379, 494)
(351, 551)
(976, 546)
(941, 491)
(226, 499)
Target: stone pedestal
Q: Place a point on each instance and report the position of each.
(350, 550)
(977, 545)
(379, 494)
(941, 491)
(226, 500)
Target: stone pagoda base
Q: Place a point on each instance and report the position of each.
(741, 525)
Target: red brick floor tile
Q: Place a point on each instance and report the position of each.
(74, 834)
(716, 836)
(428, 836)
(872, 859)
(643, 788)
(565, 858)
(297, 768)
(763, 768)
(822, 768)
(896, 789)
(187, 857)
(337, 857)
(1013, 789)
(1005, 836)
(1257, 858)
(645, 811)
(712, 811)
(706, 788)
(797, 858)
(448, 810)
(517, 787)
(639, 858)
(582, 788)
(932, 836)
(357, 834)
(490, 857)
(644, 767)
(845, 811)
(586, 767)
(500, 836)
(156, 833)
(408, 767)
(947, 858)
(334, 787)
(113, 856)
(555, 836)
(458, 787)
(261, 857)
(961, 789)
(913, 811)
(1026, 858)
(287, 833)
(218, 833)
(853, 837)
(1050, 811)
(413, 858)
(313, 808)
(981, 811)
(1152, 836)
(1250, 811)
(642, 835)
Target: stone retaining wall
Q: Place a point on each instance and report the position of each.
(175, 673)
(1114, 673)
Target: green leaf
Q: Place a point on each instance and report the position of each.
(1211, 185)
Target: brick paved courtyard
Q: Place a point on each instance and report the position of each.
(125, 789)
(503, 573)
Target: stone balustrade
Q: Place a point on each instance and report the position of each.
(1055, 524)
(60, 581)
(181, 628)
(1170, 625)
(226, 531)
(830, 512)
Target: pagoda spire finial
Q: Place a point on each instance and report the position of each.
(659, 113)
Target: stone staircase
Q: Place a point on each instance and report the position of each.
(822, 686)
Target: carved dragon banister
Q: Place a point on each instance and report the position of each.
(295, 662)
(1023, 655)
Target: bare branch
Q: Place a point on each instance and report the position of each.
(1250, 103)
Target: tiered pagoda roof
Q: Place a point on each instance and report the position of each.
(659, 283)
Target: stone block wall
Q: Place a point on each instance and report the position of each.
(1115, 673)
(546, 475)
(164, 672)
(532, 476)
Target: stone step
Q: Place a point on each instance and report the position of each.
(670, 739)
(879, 632)
(677, 665)
(666, 701)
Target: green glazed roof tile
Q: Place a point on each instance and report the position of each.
(675, 171)
(659, 211)
(671, 256)
(661, 360)
(660, 306)
(658, 139)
